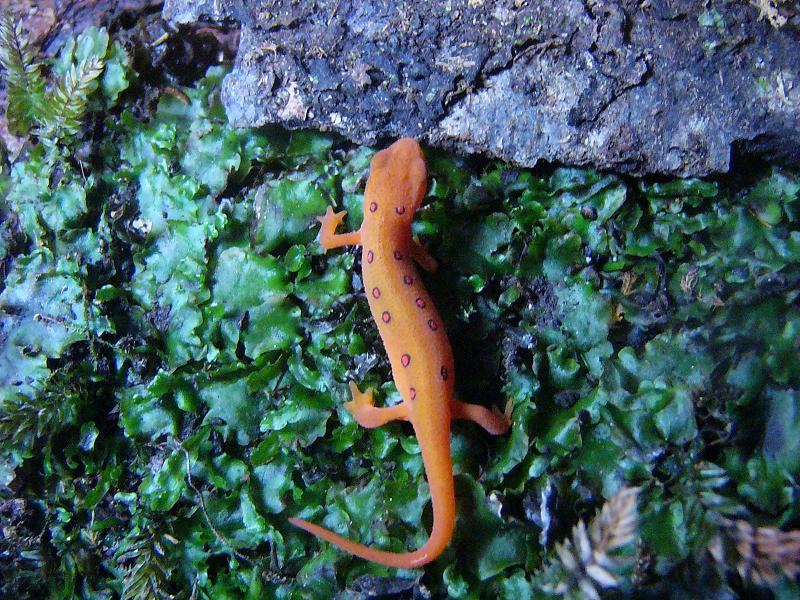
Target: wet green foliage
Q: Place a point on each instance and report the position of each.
(175, 350)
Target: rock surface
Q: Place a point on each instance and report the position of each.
(661, 86)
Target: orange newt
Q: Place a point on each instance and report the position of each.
(412, 332)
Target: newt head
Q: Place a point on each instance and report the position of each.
(397, 180)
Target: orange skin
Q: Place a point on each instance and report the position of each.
(412, 332)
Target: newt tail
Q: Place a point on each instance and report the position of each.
(443, 501)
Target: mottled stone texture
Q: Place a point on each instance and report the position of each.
(661, 86)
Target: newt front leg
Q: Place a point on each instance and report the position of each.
(328, 238)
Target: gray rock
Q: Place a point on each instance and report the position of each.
(658, 86)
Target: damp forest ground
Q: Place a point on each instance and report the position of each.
(175, 350)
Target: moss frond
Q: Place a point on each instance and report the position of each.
(22, 72)
(66, 105)
(596, 555)
(146, 570)
(53, 115)
(759, 554)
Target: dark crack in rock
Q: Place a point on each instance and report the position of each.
(664, 86)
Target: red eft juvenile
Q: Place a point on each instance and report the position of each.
(412, 332)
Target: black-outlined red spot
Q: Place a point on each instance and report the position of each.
(405, 360)
(444, 373)
(376, 292)
(370, 256)
(433, 325)
(386, 317)
(400, 210)
(412, 393)
(373, 206)
(397, 255)
(407, 279)
(420, 302)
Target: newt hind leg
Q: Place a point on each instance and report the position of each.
(363, 409)
(493, 421)
(423, 258)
